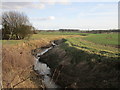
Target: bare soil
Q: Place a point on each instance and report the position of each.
(18, 64)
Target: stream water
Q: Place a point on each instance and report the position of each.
(43, 69)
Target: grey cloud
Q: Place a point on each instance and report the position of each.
(60, 0)
(21, 5)
(40, 4)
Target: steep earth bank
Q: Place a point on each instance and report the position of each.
(74, 68)
(17, 64)
(71, 68)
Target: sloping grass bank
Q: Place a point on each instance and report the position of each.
(95, 48)
(76, 68)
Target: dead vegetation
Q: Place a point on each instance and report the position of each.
(69, 69)
(17, 61)
(17, 64)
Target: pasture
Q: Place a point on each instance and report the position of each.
(102, 44)
(105, 39)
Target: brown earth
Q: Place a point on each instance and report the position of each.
(17, 64)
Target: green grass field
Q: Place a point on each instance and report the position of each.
(41, 35)
(62, 33)
(102, 44)
(106, 39)
(93, 48)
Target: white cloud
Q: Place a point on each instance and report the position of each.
(60, 1)
(22, 5)
(103, 22)
(51, 17)
(52, 2)
(43, 18)
(38, 5)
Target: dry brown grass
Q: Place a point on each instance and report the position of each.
(17, 60)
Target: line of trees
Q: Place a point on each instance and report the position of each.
(102, 31)
(69, 30)
(92, 31)
(16, 26)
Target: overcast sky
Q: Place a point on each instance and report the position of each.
(56, 14)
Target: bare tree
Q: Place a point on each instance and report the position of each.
(15, 25)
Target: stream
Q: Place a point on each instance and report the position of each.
(43, 69)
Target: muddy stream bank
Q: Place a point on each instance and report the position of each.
(42, 68)
(62, 66)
